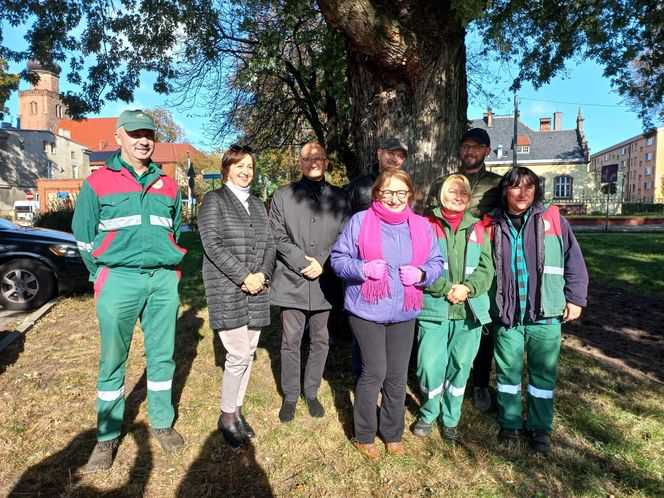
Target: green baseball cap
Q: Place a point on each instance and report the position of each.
(135, 120)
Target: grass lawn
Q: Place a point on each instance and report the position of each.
(609, 433)
(632, 261)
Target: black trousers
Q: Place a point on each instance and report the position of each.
(385, 350)
(293, 322)
(484, 358)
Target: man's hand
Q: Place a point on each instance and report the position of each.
(572, 312)
(253, 284)
(314, 270)
(458, 293)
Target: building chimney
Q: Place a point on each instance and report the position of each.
(545, 124)
(489, 117)
(499, 151)
(557, 121)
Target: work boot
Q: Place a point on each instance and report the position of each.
(451, 435)
(315, 408)
(509, 437)
(168, 438)
(102, 455)
(540, 441)
(482, 399)
(422, 428)
(367, 449)
(287, 411)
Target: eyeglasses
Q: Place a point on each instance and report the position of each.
(241, 148)
(316, 159)
(474, 148)
(388, 194)
(396, 153)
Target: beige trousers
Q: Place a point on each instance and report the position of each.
(240, 344)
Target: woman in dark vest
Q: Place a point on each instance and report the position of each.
(238, 263)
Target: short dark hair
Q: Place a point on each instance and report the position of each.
(515, 177)
(232, 156)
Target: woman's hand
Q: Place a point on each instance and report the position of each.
(410, 275)
(458, 293)
(374, 269)
(253, 284)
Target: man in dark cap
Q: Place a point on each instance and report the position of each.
(391, 154)
(126, 223)
(475, 147)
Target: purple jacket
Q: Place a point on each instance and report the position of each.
(576, 275)
(397, 251)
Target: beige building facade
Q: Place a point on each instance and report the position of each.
(640, 161)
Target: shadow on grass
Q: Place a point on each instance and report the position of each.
(594, 453)
(221, 471)
(11, 353)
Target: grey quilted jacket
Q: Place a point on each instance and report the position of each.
(236, 243)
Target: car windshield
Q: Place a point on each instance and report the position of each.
(6, 225)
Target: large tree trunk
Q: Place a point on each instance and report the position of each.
(407, 78)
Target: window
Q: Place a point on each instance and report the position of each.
(74, 170)
(73, 154)
(648, 156)
(53, 148)
(623, 151)
(33, 108)
(543, 184)
(647, 185)
(649, 141)
(562, 187)
(648, 170)
(523, 149)
(45, 146)
(49, 170)
(58, 110)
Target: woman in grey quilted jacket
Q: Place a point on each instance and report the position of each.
(237, 266)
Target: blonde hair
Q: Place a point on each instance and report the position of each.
(448, 181)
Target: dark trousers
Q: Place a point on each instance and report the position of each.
(293, 322)
(482, 363)
(385, 352)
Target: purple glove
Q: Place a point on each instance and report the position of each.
(374, 269)
(410, 275)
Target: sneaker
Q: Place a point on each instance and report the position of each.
(102, 455)
(395, 449)
(315, 408)
(540, 441)
(168, 438)
(509, 437)
(422, 428)
(451, 435)
(287, 411)
(482, 399)
(368, 450)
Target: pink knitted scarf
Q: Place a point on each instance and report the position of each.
(370, 247)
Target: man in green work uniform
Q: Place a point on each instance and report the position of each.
(126, 223)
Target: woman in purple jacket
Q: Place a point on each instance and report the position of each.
(387, 255)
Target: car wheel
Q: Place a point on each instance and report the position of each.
(25, 284)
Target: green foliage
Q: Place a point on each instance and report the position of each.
(167, 129)
(57, 218)
(609, 187)
(624, 37)
(8, 83)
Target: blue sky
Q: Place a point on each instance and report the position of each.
(607, 119)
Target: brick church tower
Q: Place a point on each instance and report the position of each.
(40, 107)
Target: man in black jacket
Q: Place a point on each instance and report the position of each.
(306, 217)
(391, 154)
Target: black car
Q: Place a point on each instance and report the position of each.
(35, 263)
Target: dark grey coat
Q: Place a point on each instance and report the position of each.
(236, 244)
(305, 222)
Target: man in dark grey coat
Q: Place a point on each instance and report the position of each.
(306, 217)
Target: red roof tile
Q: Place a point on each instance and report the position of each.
(94, 133)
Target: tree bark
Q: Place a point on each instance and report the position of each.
(407, 78)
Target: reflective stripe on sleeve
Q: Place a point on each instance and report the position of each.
(454, 391)
(433, 393)
(508, 388)
(554, 270)
(110, 395)
(160, 386)
(124, 221)
(470, 269)
(161, 221)
(84, 246)
(540, 393)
